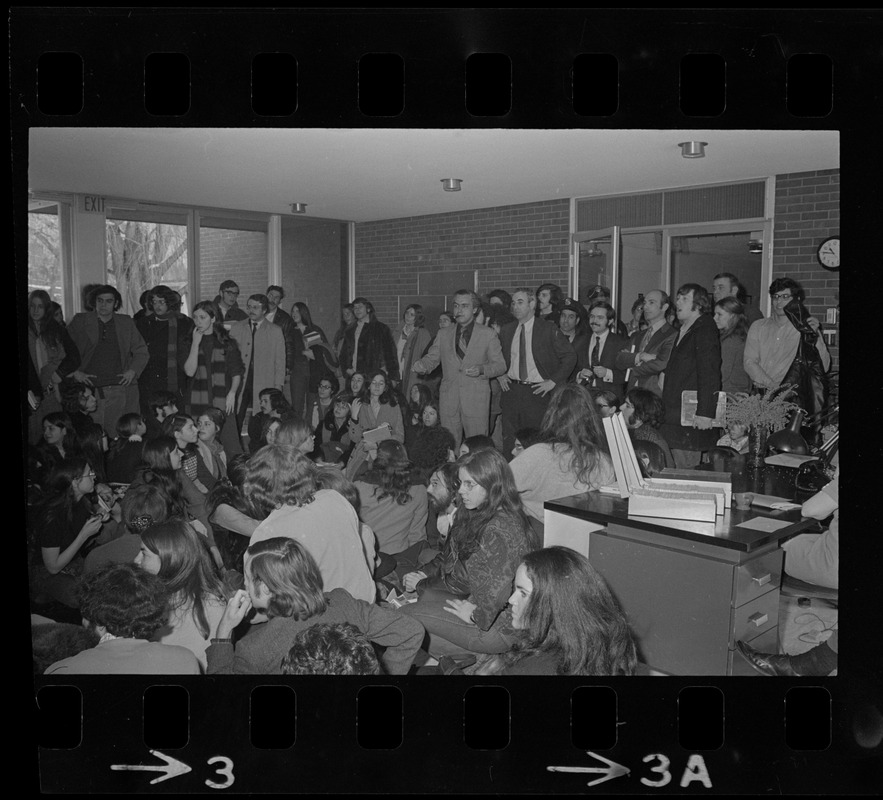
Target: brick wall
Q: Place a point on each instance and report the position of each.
(238, 255)
(808, 211)
(509, 246)
(312, 259)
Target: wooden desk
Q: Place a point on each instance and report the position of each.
(690, 589)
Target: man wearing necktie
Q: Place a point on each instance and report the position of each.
(646, 356)
(470, 356)
(262, 346)
(598, 366)
(538, 357)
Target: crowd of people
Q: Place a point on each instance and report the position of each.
(234, 492)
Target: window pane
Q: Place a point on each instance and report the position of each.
(141, 255)
(44, 253)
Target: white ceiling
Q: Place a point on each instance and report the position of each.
(371, 174)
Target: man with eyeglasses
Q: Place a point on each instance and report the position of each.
(227, 302)
(772, 342)
(113, 355)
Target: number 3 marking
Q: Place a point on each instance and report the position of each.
(662, 768)
(226, 771)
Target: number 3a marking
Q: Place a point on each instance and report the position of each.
(226, 771)
(661, 768)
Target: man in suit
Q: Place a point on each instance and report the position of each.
(597, 364)
(113, 356)
(262, 347)
(573, 322)
(538, 358)
(470, 356)
(648, 351)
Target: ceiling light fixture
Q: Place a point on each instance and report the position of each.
(692, 149)
(298, 208)
(451, 184)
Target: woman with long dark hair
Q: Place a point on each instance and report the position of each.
(731, 321)
(569, 623)
(418, 397)
(179, 556)
(228, 513)
(570, 456)
(394, 504)
(320, 355)
(379, 407)
(283, 579)
(216, 369)
(463, 602)
(412, 341)
(334, 429)
(347, 320)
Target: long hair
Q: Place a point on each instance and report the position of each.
(71, 442)
(305, 317)
(572, 613)
(419, 316)
(210, 307)
(90, 438)
(50, 330)
(145, 505)
(156, 455)
(649, 406)
(58, 506)
(489, 470)
(389, 394)
(176, 423)
(186, 567)
(701, 298)
(392, 471)
(572, 426)
(293, 430)
(338, 336)
(424, 397)
(278, 475)
(229, 490)
(290, 574)
(739, 323)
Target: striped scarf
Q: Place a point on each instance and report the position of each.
(209, 386)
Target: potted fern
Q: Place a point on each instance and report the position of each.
(760, 415)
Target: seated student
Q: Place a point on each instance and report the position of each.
(179, 556)
(334, 429)
(283, 579)
(568, 621)
(735, 437)
(162, 404)
(379, 408)
(226, 509)
(490, 537)
(651, 457)
(473, 444)
(524, 438)
(78, 401)
(212, 464)
(432, 447)
(125, 606)
(273, 405)
(125, 453)
(294, 431)
(59, 440)
(53, 641)
(394, 504)
(643, 412)
(280, 490)
(606, 401)
(183, 430)
(93, 445)
(571, 455)
(419, 397)
(63, 525)
(331, 649)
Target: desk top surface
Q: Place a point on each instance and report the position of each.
(724, 531)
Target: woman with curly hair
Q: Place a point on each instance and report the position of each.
(179, 556)
(280, 490)
(569, 622)
(215, 367)
(379, 408)
(643, 412)
(462, 603)
(283, 579)
(394, 504)
(167, 334)
(125, 606)
(570, 456)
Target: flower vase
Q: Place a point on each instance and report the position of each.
(757, 443)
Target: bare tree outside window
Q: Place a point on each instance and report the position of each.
(141, 255)
(44, 254)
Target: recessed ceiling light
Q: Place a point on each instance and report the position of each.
(451, 184)
(692, 149)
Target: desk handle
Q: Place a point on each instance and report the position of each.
(763, 580)
(757, 619)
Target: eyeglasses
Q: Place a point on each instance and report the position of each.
(234, 292)
(782, 296)
(324, 385)
(90, 474)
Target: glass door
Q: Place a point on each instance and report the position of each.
(596, 263)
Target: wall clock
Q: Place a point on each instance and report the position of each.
(828, 253)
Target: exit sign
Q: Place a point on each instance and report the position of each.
(92, 204)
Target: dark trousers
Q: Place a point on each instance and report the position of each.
(521, 409)
(245, 398)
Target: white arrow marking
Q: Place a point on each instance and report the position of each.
(611, 771)
(172, 768)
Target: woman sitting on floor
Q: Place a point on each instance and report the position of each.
(283, 579)
(378, 408)
(462, 605)
(568, 620)
(227, 512)
(643, 412)
(179, 556)
(571, 455)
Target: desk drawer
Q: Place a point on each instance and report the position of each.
(752, 619)
(757, 577)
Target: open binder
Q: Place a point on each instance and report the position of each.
(703, 497)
